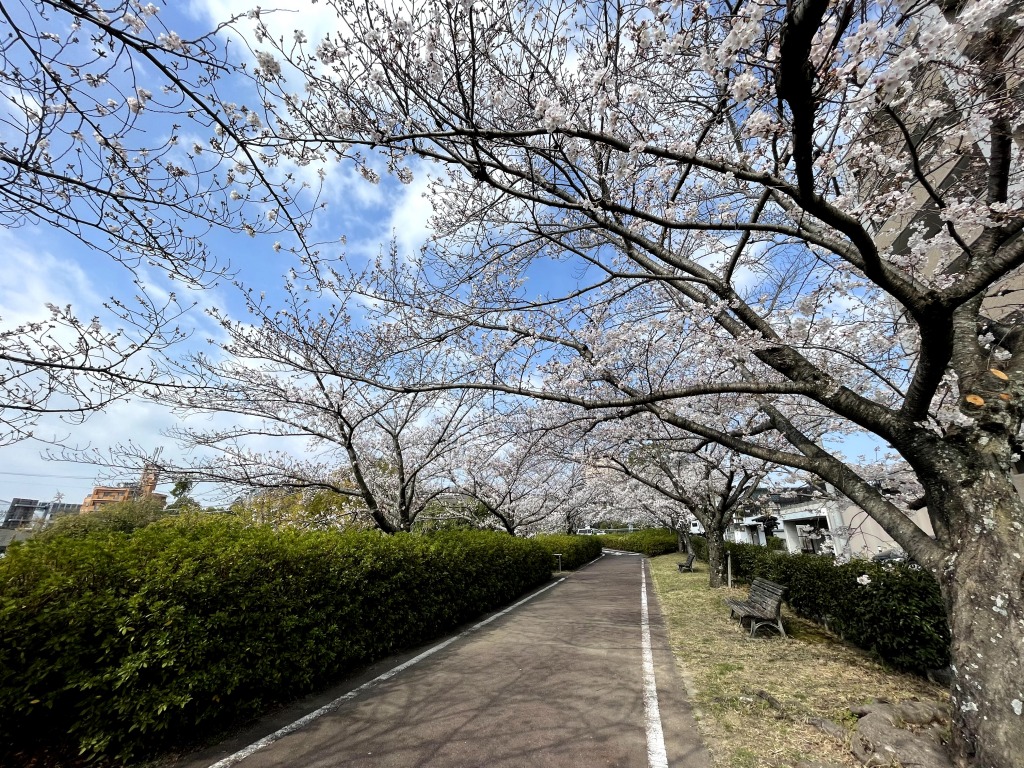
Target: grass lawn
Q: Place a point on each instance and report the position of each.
(812, 675)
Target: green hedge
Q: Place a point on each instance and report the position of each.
(699, 545)
(656, 541)
(122, 642)
(575, 550)
(898, 615)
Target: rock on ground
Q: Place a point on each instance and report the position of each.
(880, 740)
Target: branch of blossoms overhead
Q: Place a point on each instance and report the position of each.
(65, 366)
(593, 360)
(115, 131)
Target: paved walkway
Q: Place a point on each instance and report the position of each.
(559, 681)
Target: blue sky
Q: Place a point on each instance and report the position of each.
(44, 265)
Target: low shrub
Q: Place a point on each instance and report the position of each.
(749, 560)
(121, 642)
(895, 611)
(655, 541)
(575, 550)
(899, 614)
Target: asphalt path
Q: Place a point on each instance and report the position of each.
(577, 674)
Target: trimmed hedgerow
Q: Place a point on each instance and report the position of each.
(115, 644)
(699, 545)
(895, 611)
(655, 541)
(575, 550)
(900, 615)
(749, 560)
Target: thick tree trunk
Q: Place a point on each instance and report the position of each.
(382, 522)
(683, 540)
(984, 590)
(716, 559)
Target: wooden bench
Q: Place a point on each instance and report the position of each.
(688, 565)
(763, 606)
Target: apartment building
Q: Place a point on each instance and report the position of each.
(145, 488)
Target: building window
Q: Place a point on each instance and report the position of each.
(812, 536)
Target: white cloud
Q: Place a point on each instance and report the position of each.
(314, 19)
(410, 215)
(33, 277)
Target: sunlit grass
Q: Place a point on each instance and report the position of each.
(812, 674)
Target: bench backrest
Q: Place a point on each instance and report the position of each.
(690, 558)
(766, 595)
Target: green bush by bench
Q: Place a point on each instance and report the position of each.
(898, 614)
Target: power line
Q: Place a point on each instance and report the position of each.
(34, 474)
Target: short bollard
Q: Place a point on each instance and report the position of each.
(559, 556)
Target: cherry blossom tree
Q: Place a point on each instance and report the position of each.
(822, 201)
(112, 129)
(282, 374)
(701, 480)
(627, 501)
(520, 470)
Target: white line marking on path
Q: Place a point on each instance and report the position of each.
(587, 565)
(243, 753)
(656, 755)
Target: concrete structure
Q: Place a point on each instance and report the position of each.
(23, 513)
(8, 537)
(820, 521)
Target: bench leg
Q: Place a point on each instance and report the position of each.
(756, 625)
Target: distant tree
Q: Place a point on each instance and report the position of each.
(183, 501)
(520, 468)
(313, 509)
(701, 481)
(119, 517)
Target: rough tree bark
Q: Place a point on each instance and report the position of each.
(983, 587)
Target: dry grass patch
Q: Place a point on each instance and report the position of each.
(812, 675)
